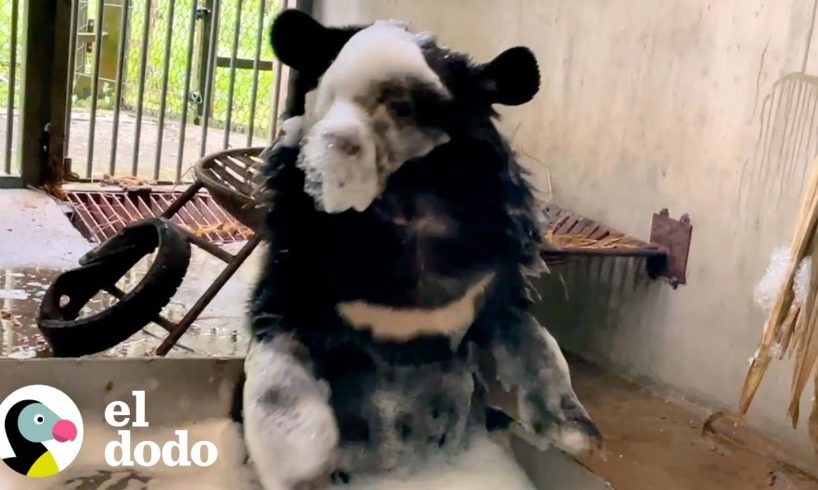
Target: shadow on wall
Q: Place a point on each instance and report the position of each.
(785, 147)
(588, 303)
(584, 303)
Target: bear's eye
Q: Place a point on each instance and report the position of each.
(39, 419)
(401, 109)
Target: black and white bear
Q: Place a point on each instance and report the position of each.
(401, 230)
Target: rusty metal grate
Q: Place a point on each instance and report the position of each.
(101, 214)
(570, 234)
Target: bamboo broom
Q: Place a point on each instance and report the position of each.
(807, 346)
(813, 418)
(787, 320)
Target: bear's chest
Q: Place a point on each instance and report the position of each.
(390, 416)
(404, 250)
(450, 314)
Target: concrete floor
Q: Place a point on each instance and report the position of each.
(656, 441)
(653, 443)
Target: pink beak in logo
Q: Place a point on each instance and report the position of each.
(64, 430)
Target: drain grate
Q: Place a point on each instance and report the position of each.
(101, 214)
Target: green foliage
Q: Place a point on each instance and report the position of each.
(248, 34)
(178, 62)
(178, 65)
(5, 52)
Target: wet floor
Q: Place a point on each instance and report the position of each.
(219, 331)
(37, 243)
(655, 444)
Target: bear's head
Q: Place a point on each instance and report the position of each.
(384, 96)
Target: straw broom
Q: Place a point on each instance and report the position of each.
(793, 327)
(813, 419)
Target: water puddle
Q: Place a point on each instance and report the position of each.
(219, 330)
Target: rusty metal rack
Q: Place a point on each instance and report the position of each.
(99, 214)
(232, 179)
(572, 235)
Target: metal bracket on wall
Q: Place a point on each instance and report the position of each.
(674, 237)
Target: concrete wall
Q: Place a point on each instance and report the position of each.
(699, 106)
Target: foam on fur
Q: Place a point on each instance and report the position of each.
(344, 163)
(382, 51)
(484, 466)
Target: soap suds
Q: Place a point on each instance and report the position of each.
(486, 465)
(344, 161)
(800, 287)
(338, 180)
(382, 51)
(292, 130)
(768, 287)
(228, 472)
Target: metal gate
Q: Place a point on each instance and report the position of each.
(156, 84)
(10, 16)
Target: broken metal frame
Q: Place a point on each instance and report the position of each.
(176, 330)
(235, 169)
(233, 180)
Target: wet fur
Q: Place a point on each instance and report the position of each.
(396, 403)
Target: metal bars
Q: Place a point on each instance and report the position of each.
(232, 86)
(180, 151)
(89, 164)
(256, 61)
(211, 73)
(72, 60)
(12, 80)
(164, 98)
(120, 79)
(155, 69)
(140, 98)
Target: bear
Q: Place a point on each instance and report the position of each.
(402, 233)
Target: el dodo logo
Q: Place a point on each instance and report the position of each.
(41, 431)
(149, 453)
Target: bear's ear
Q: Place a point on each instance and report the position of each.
(512, 78)
(304, 44)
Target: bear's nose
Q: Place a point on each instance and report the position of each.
(346, 144)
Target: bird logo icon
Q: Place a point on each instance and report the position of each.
(43, 431)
